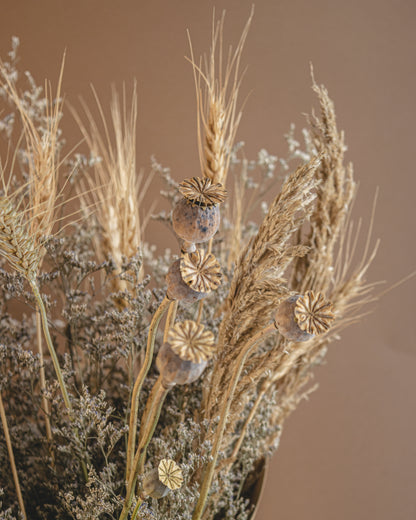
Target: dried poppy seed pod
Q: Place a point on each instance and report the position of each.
(167, 477)
(196, 217)
(183, 358)
(193, 276)
(300, 318)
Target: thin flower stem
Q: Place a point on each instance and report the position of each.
(45, 402)
(55, 361)
(136, 509)
(149, 422)
(201, 303)
(150, 419)
(219, 432)
(51, 348)
(170, 319)
(200, 308)
(243, 432)
(139, 383)
(11, 457)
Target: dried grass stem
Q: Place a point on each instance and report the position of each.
(11, 457)
(139, 383)
(219, 432)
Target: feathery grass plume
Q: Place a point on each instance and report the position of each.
(334, 197)
(217, 89)
(286, 367)
(258, 285)
(117, 189)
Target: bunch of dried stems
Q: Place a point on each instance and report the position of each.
(121, 419)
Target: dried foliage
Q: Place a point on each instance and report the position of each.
(87, 424)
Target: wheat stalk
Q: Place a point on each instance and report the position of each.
(217, 95)
(42, 160)
(117, 189)
(20, 249)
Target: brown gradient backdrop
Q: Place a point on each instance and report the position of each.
(350, 452)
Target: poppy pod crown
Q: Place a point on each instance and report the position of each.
(192, 276)
(301, 317)
(313, 313)
(191, 341)
(202, 192)
(183, 358)
(200, 271)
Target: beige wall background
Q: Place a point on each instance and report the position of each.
(350, 452)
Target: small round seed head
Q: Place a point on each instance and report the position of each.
(200, 271)
(202, 192)
(313, 313)
(177, 371)
(194, 223)
(177, 289)
(191, 342)
(286, 323)
(153, 487)
(170, 474)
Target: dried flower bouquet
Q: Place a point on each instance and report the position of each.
(168, 378)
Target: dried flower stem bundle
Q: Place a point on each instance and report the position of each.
(272, 312)
(288, 373)
(258, 285)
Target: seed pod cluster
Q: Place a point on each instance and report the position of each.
(302, 317)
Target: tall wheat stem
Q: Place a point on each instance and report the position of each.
(55, 361)
(51, 348)
(42, 377)
(150, 419)
(11, 457)
(219, 432)
(139, 383)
